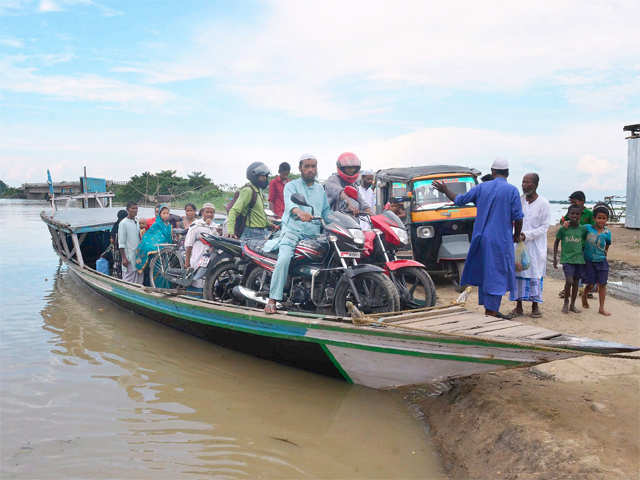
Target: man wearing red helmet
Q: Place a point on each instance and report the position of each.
(348, 171)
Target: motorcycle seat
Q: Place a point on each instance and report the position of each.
(256, 246)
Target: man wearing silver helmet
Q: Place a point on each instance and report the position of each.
(247, 213)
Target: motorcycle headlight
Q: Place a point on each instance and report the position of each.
(402, 234)
(358, 236)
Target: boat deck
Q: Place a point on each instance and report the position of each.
(456, 320)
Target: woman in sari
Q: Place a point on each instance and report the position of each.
(159, 232)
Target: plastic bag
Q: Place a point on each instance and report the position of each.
(523, 261)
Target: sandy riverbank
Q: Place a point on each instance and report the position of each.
(577, 418)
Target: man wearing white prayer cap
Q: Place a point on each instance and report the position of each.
(195, 248)
(490, 263)
(296, 224)
(366, 189)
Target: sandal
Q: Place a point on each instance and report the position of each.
(503, 316)
(515, 313)
(536, 314)
(270, 308)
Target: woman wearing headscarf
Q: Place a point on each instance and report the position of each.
(159, 232)
(195, 248)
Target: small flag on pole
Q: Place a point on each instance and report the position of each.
(50, 182)
(51, 195)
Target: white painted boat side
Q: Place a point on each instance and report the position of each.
(383, 370)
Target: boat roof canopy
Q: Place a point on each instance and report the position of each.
(406, 174)
(83, 220)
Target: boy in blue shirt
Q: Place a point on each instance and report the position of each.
(596, 269)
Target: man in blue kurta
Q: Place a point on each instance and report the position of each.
(490, 261)
(297, 224)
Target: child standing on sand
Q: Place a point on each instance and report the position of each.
(572, 258)
(596, 269)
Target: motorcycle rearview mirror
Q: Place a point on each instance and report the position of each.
(298, 199)
(351, 192)
(400, 199)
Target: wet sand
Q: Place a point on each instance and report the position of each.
(569, 419)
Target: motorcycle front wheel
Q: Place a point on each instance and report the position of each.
(376, 291)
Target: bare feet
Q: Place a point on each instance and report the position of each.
(565, 307)
(270, 307)
(585, 304)
(573, 309)
(603, 312)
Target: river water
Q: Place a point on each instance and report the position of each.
(90, 390)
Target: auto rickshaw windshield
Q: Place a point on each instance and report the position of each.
(426, 197)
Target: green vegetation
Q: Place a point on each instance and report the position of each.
(9, 192)
(150, 188)
(165, 186)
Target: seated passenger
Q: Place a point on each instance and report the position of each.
(195, 248)
(149, 221)
(158, 233)
(397, 208)
(189, 215)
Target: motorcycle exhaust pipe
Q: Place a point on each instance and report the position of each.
(244, 293)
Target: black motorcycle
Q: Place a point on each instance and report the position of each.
(225, 270)
(324, 272)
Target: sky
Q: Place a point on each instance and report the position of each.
(211, 86)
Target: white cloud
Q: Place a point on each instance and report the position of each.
(591, 157)
(85, 87)
(309, 47)
(11, 42)
(49, 6)
(603, 174)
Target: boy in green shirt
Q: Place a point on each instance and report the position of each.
(578, 198)
(572, 258)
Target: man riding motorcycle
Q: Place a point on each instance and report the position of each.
(348, 165)
(296, 224)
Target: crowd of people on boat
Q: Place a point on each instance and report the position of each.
(504, 218)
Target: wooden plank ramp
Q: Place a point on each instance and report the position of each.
(456, 320)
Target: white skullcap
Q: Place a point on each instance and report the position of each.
(366, 172)
(307, 156)
(500, 164)
(208, 205)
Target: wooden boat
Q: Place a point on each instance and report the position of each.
(381, 351)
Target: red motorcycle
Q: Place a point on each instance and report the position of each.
(386, 236)
(324, 272)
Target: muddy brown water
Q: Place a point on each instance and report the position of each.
(90, 390)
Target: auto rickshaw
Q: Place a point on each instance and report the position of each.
(440, 231)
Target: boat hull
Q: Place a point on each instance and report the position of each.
(366, 356)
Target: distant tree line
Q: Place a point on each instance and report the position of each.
(9, 192)
(149, 186)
